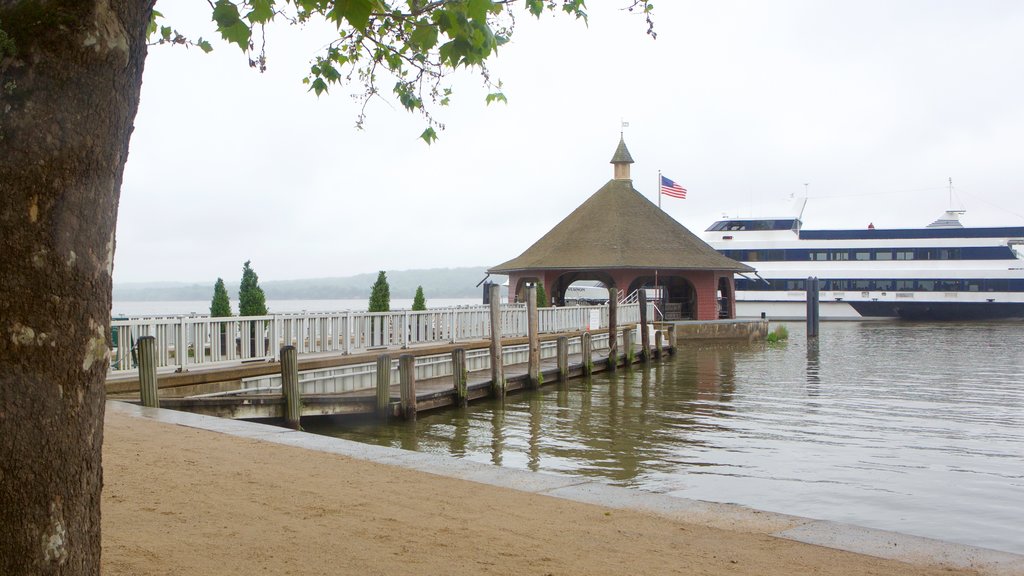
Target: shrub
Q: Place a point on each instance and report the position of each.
(419, 303)
(780, 333)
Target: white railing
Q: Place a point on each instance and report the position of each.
(355, 377)
(183, 342)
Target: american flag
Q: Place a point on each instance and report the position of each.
(670, 188)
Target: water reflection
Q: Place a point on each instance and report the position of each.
(813, 368)
(899, 426)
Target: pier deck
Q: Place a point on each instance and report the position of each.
(431, 393)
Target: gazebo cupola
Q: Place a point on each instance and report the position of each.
(621, 161)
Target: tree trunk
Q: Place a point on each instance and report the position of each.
(68, 97)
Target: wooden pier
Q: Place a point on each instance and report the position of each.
(386, 398)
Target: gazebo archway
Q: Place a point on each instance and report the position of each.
(562, 283)
(679, 299)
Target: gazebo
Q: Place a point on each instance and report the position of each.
(623, 240)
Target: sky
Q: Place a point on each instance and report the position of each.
(869, 108)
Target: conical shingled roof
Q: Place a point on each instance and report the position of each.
(618, 228)
(622, 153)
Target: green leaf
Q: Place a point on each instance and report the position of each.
(152, 26)
(357, 12)
(165, 33)
(204, 45)
(230, 24)
(429, 136)
(262, 11)
(478, 9)
(424, 37)
(496, 97)
(319, 86)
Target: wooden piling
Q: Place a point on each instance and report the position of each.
(460, 376)
(533, 338)
(383, 385)
(613, 329)
(645, 335)
(627, 345)
(587, 346)
(672, 338)
(147, 372)
(813, 317)
(657, 343)
(497, 369)
(290, 387)
(563, 358)
(407, 376)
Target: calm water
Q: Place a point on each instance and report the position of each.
(915, 428)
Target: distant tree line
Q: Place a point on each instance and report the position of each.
(438, 282)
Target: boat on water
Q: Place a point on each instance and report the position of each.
(944, 271)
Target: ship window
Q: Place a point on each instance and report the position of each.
(973, 286)
(840, 255)
(928, 285)
(862, 285)
(904, 284)
(862, 255)
(819, 255)
(885, 285)
(886, 255)
(904, 254)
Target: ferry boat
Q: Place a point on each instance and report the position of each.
(944, 271)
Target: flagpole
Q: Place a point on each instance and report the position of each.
(656, 286)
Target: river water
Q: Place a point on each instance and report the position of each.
(910, 427)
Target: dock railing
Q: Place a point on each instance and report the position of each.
(184, 342)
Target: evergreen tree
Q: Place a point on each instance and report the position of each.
(542, 297)
(220, 306)
(419, 303)
(380, 294)
(251, 300)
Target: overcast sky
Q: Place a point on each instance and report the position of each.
(869, 106)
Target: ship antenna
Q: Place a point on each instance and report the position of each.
(950, 192)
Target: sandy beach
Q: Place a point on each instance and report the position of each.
(179, 500)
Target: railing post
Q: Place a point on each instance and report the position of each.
(383, 384)
(587, 349)
(497, 370)
(290, 387)
(277, 335)
(405, 329)
(532, 319)
(645, 335)
(613, 336)
(147, 372)
(460, 376)
(407, 374)
(563, 358)
(182, 351)
(348, 333)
